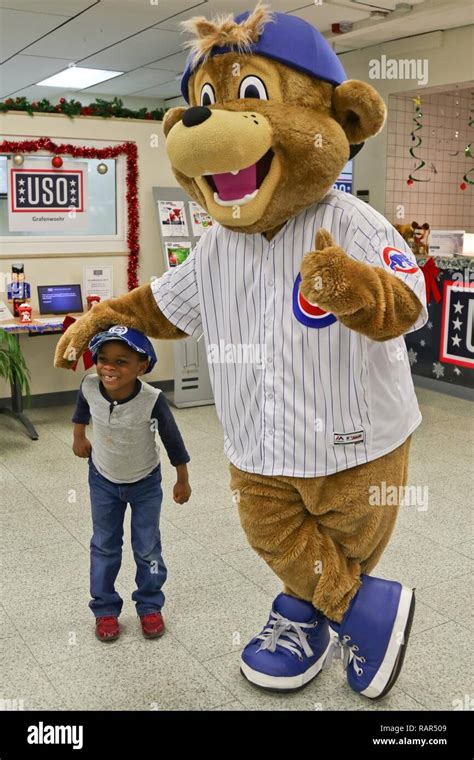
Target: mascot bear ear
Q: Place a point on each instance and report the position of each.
(359, 109)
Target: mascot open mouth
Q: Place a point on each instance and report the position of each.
(239, 187)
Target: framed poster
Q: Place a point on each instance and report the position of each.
(457, 324)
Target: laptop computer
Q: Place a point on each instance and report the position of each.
(59, 299)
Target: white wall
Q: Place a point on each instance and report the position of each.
(437, 198)
(154, 170)
(450, 61)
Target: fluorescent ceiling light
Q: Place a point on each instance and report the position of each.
(76, 78)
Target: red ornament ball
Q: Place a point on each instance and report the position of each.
(57, 162)
(62, 100)
(463, 185)
(409, 182)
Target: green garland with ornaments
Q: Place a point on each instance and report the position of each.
(106, 109)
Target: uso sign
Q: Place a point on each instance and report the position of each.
(43, 198)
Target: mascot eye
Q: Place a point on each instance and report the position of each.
(253, 87)
(208, 96)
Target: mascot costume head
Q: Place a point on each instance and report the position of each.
(265, 92)
(327, 287)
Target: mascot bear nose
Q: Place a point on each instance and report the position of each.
(195, 115)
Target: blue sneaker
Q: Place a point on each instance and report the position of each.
(373, 636)
(290, 650)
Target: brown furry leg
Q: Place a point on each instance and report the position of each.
(319, 534)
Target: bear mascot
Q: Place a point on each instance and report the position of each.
(318, 430)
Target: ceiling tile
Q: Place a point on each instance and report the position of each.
(131, 82)
(139, 50)
(25, 70)
(19, 29)
(38, 93)
(175, 62)
(61, 7)
(166, 90)
(105, 24)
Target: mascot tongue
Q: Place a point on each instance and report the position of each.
(234, 186)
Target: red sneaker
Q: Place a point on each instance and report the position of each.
(107, 628)
(152, 625)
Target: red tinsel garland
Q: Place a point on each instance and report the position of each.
(130, 150)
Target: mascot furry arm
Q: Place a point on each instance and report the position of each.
(137, 309)
(366, 299)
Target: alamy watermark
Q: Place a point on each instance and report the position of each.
(399, 68)
(407, 496)
(236, 353)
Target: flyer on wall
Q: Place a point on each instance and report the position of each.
(172, 219)
(176, 253)
(99, 281)
(200, 219)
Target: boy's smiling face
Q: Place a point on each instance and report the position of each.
(118, 367)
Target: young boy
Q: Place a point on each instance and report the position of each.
(124, 467)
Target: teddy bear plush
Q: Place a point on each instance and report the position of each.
(421, 233)
(317, 428)
(416, 235)
(406, 231)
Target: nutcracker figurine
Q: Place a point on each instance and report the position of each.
(19, 289)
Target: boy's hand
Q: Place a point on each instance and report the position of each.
(82, 447)
(181, 492)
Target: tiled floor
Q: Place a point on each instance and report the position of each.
(218, 591)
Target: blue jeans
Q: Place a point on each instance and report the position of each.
(109, 502)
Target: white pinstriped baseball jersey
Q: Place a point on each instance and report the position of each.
(303, 395)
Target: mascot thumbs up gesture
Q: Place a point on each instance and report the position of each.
(325, 287)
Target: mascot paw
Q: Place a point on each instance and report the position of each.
(325, 274)
(75, 341)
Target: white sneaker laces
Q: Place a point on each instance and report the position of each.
(295, 637)
(342, 650)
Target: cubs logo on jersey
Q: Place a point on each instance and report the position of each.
(308, 313)
(398, 261)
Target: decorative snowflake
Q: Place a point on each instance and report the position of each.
(429, 325)
(457, 371)
(438, 370)
(412, 357)
(422, 343)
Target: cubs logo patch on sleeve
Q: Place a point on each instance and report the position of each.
(308, 313)
(398, 261)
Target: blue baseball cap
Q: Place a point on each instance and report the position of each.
(132, 338)
(289, 40)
